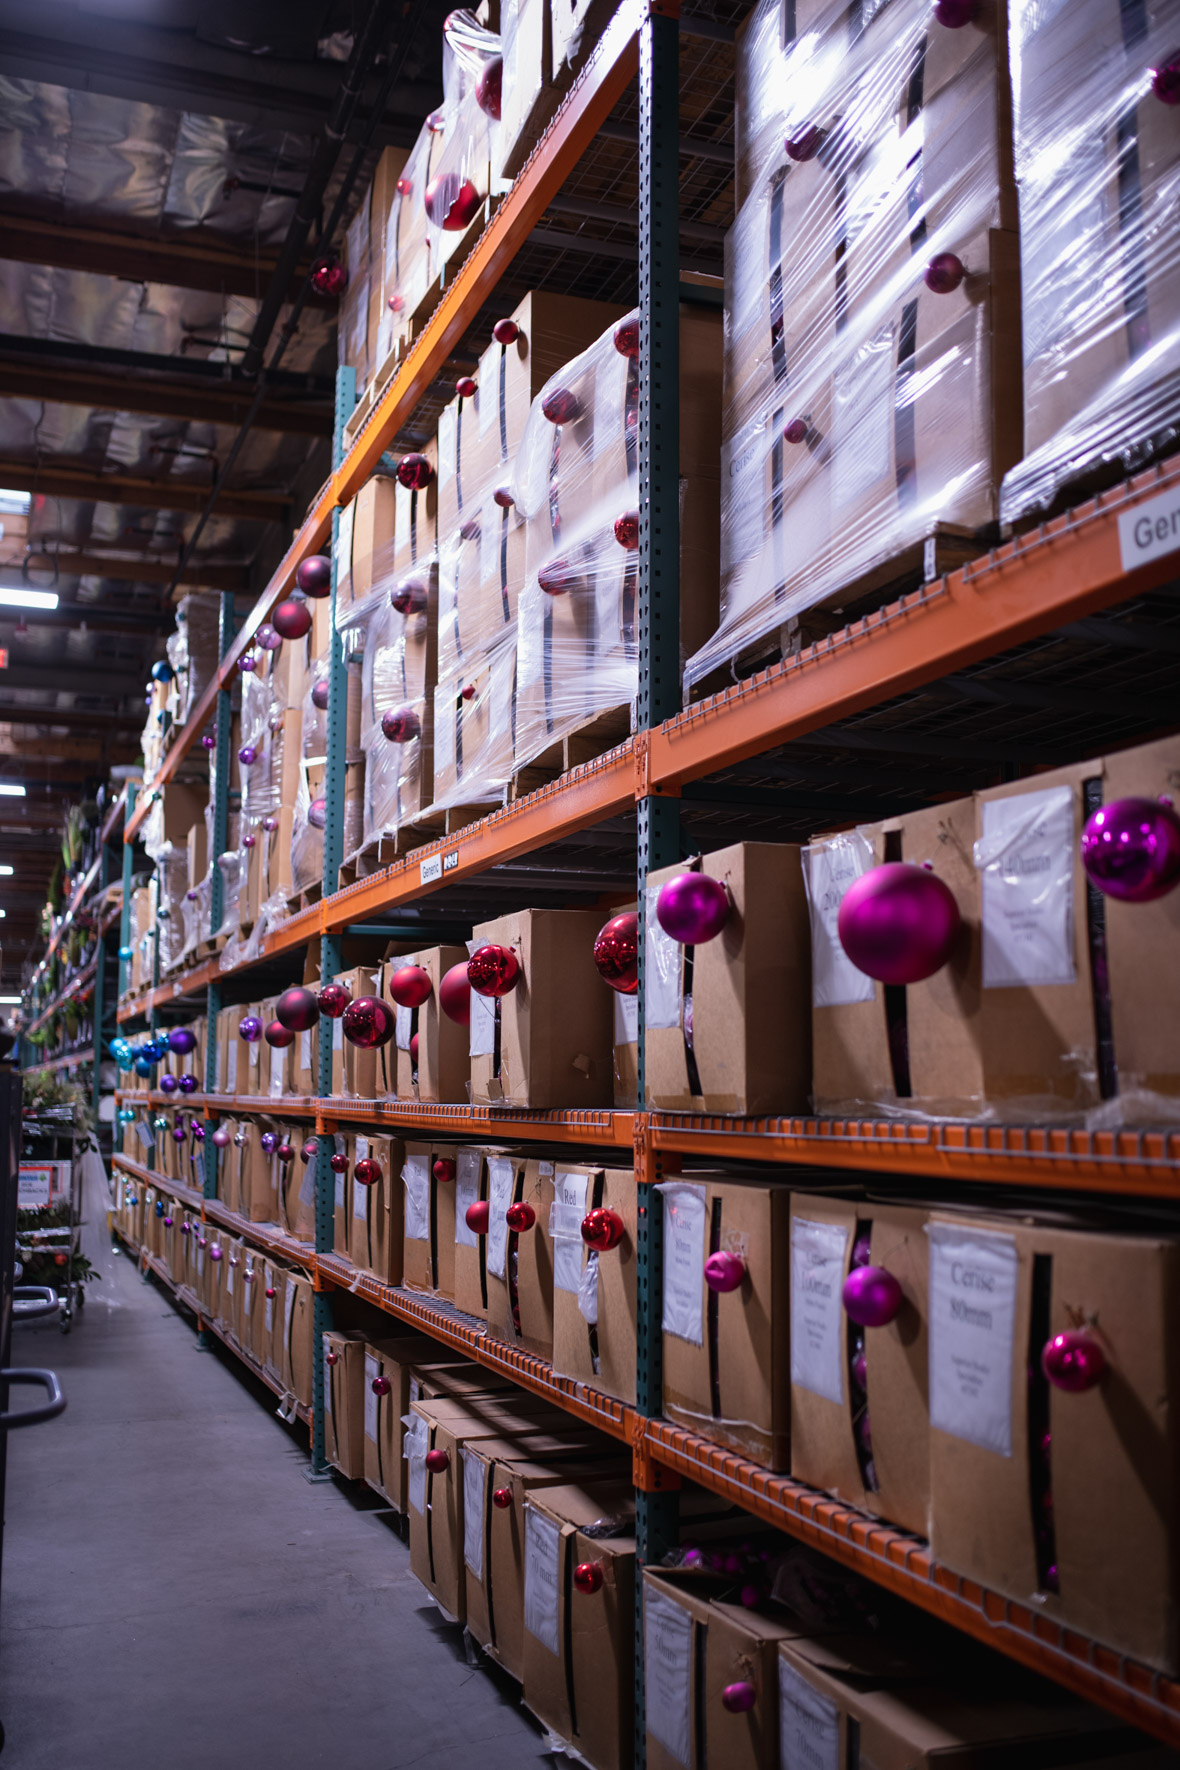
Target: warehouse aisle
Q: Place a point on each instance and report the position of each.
(175, 1593)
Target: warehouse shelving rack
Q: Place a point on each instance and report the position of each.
(1054, 580)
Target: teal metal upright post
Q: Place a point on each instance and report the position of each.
(125, 911)
(325, 1187)
(219, 835)
(658, 819)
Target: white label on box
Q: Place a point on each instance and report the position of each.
(403, 1027)
(414, 1448)
(255, 1054)
(340, 1179)
(327, 1379)
(277, 1059)
(483, 1025)
(360, 1201)
(808, 1724)
(199, 1169)
(305, 1049)
(467, 1166)
(338, 1035)
(431, 869)
(473, 1512)
(270, 1315)
(229, 1277)
(684, 1260)
(1026, 856)
(371, 1400)
(829, 868)
(501, 1178)
(1150, 531)
(973, 1278)
(626, 1019)
(288, 1314)
(817, 1310)
(565, 1226)
(307, 1185)
(667, 1666)
(661, 1000)
(145, 1133)
(417, 1179)
(542, 1567)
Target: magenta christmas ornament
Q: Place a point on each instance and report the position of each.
(319, 694)
(476, 1217)
(292, 618)
(381, 1386)
(1131, 849)
(317, 813)
(267, 638)
(616, 953)
(451, 202)
(297, 1009)
(493, 970)
(368, 1022)
(333, 999)
(249, 841)
(724, 1271)
(285, 1154)
(198, 1131)
(438, 1461)
(278, 1035)
(627, 530)
(221, 1136)
(454, 995)
(215, 1252)
(1165, 80)
(401, 725)
(247, 755)
(329, 277)
(505, 331)
(465, 387)
(944, 273)
(367, 1172)
(1073, 1361)
(489, 87)
(309, 1151)
(208, 741)
(739, 1699)
(338, 1162)
(602, 1229)
(409, 596)
(898, 923)
(444, 1170)
(805, 144)
(872, 1296)
(415, 472)
(247, 663)
(410, 986)
(178, 1131)
(692, 908)
(314, 575)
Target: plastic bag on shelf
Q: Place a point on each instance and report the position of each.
(1098, 169)
(872, 312)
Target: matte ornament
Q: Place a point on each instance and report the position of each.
(333, 999)
(616, 953)
(339, 1162)
(268, 639)
(269, 1141)
(401, 725)
(1131, 849)
(501, 1498)
(805, 145)
(944, 273)
(297, 1009)
(182, 1040)
(724, 1271)
(898, 923)
(221, 1136)
(588, 1577)
(319, 695)
(1073, 1361)
(451, 202)
(329, 277)
(626, 336)
(187, 1084)
(317, 813)
(444, 1170)
(692, 908)
(367, 1172)
(409, 597)
(739, 1699)
(493, 970)
(1165, 81)
(168, 1084)
(505, 331)
(411, 986)
(520, 1217)
(872, 1296)
(796, 431)
(381, 1386)
(954, 14)
(278, 1035)
(292, 619)
(489, 87)
(314, 575)
(395, 302)
(438, 1461)
(465, 387)
(627, 530)
(368, 1023)
(247, 755)
(560, 405)
(602, 1229)
(285, 1154)
(476, 1217)
(143, 1066)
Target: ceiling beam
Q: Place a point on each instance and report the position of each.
(97, 617)
(120, 391)
(55, 480)
(102, 746)
(122, 570)
(99, 678)
(66, 716)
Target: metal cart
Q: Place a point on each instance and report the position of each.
(49, 1252)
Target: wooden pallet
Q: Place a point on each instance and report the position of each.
(584, 744)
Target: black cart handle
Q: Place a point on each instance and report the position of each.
(32, 1416)
(34, 1302)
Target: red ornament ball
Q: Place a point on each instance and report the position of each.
(414, 1049)
(401, 725)
(493, 970)
(489, 87)
(805, 144)
(286, 1154)
(505, 332)
(314, 575)
(454, 995)
(297, 1009)
(381, 1386)
(476, 1217)
(1073, 1361)
(452, 202)
(339, 1162)
(560, 405)
(588, 1577)
(944, 273)
(278, 1035)
(627, 336)
(898, 923)
(409, 597)
(329, 277)
(465, 387)
(444, 1170)
(502, 498)
(796, 431)
(501, 1498)
(438, 1461)
(602, 1229)
(292, 618)
(333, 999)
(367, 1172)
(411, 986)
(368, 1023)
(627, 530)
(414, 472)
(331, 1357)
(520, 1216)
(616, 953)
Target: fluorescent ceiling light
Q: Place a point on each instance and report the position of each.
(15, 503)
(7, 873)
(10, 1001)
(11, 790)
(10, 598)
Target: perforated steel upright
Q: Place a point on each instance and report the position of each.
(218, 838)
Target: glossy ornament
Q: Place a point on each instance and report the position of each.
(178, 1131)
(163, 671)
(367, 1172)
(493, 970)
(247, 755)
(168, 1084)
(451, 202)
(505, 331)
(872, 1296)
(331, 1357)
(309, 1151)
(278, 1035)
(215, 1252)
(314, 575)
(338, 1162)
(414, 1049)
(285, 1154)
(898, 923)
(167, 1222)
(221, 1136)
(247, 663)
(616, 953)
(520, 1217)
(381, 1386)
(143, 1066)
(126, 1116)
(411, 986)
(185, 1229)
(501, 1498)
(297, 1008)
(292, 618)
(444, 1170)
(368, 1022)
(269, 640)
(270, 825)
(329, 277)
(558, 577)
(489, 87)
(588, 1577)
(320, 693)
(724, 1271)
(1073, 1361)
(627, 530)
(437, 1461)
(409, 597)
(602, 1229)
(270, 1292)
(187, 1083)
(805, 144)
(560, 405)
(476, 1217)
(317, 813)
(954, 14)
(626, 337)
(126, 953)
(208, 741)
(796, 432)
(692, 908)
(1165, 80)
(944, 274)
(502, 498)
(182, 1040)
(401, 725)
(269, 1141)
(739, 1699)
(333, 999)
(1131, 849)
(414, 472)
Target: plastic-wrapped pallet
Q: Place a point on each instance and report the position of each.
(194, 649)
(1095, 86)
(407, 256)
(395, 715)
(872, 306)
(457, 190)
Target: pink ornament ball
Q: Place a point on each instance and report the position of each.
(454, 995)
(208, 741)
(616, 953)
(249, 841)
(411, 986)
(466, 387)
(292, 618)
(320, 693)
(333, 999)
(338, 1162)
(872, 1296)
(267, 638)
(329, 277)
(692, 908)
(724, 1271)
(739, 1699)
(309, 1151)
(297, 1009)
(167, 1222)
(451, 202)
(1131, 849)
(215, 1252)
(1073, 1361)
(898, 923)
(560, 405)
(314, 575)
(250, 1028)
(368, 1022)
(285, 1154)
(493, 970)
(489, 87)
(278, 1035)
(317, 813)
(221, 1136)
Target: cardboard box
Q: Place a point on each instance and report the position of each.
(372, 557)
(548, 1042)
(344, 1403)
(471, 1272)
(251, 1303)
(474, 728)
(293, 1336)
(296, 1188)
(440, 1068)
(376, 1217)
(726, 1355)
(398, 1363)
(594, 1293)
(354, 1068)
(883, 1469)
(416, 519)
(428, 1260)
(519, 1265)
(1007, 1503)
(748, 990)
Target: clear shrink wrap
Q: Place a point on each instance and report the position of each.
(394, 711)
(475, 727)
(459, 184)
(194, 649)
(872, 306)
(407, 255)
(1095, 86)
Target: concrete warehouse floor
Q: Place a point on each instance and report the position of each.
(176, 1594)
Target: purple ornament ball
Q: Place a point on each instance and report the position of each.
(168, 1084)
(267, 638)
(314, 575)
(872, 1296)
(247, 755)
(1131, 849)
(739, 1699)
(692, 908)
(188, 1083)
(250, 1028)
(898, 923)
(1073, 1361)
(319, 694)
